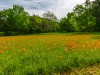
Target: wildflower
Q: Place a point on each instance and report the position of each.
(23, 49)
(73, 46)
(1, 51)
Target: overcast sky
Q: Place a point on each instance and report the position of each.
(59, 7)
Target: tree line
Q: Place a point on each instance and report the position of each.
(14, 21)
(84, 18)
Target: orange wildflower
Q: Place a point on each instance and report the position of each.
(74, 46)
(1, 51)
(23, 49)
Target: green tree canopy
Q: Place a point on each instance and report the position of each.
(15, 20)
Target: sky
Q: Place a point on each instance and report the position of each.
(59, 7)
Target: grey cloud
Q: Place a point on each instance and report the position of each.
(59, 7)
(30, 4)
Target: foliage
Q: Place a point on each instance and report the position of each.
(96, 13)
(84, 21)
(81, 18)
(1, 21)
(16, 21)
(38, 24)
(65, 24)
(35, 24)
(52, 21)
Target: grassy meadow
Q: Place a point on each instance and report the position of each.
(48, 54)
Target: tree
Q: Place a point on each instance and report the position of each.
(35, 24)
(52, 23)
(83, 20)
(21, 19)
(90, 19)
(50, 16)
(44, 25)
(96, 13)
(65, 24)
(1, 21)
(79, 18)
(40, 24)
(7, 21)
(15, 20)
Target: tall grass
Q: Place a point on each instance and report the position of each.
(47, 54)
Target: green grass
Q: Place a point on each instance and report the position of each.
(45, 54)
(48, 63)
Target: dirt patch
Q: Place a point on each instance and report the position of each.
(91, 70)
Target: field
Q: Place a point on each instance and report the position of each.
(48, 54)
